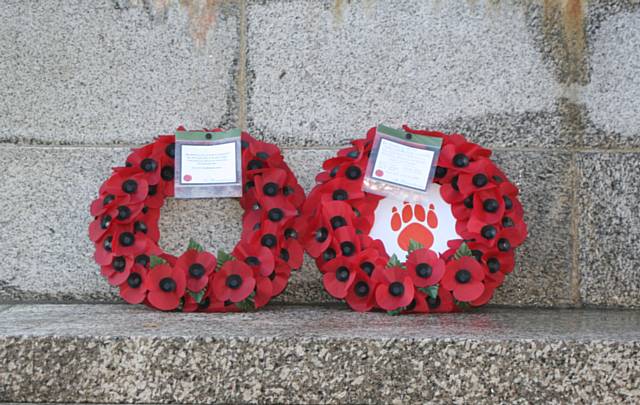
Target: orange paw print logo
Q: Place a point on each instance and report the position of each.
(414, 224)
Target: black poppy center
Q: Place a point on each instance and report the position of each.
(440, 172)
(461, 160)
(468, 202)
(275, 214)
(490, 205)
(254, 165)
(290, 233)
(167, 284)
(118, 264)
(107, 243)
(504, 245)
(262, 155)
(130, 186)
(123, 212)
(322, 234)
(396, 289)
(234, 281)
(342, 274)
(454, 183)
(493, 264)
(140, 226)
(423, 270)
(480, 180)
(334, 171)
(142, 260)
(252, 261)
(134, 280)
(433, 303)
(284, 254)
(353, 154)
(348, 248)
(106, 221)
(196, 270)
(153, 190)
(170, 150)
(268, 240)
(270, 189)
(108, 199)
(367, 267)
(126, 239)
(167, 173)
(148, 165)
(361, 289)
(488, 232)
(507, 222)
(463, 276)
(328, 254)
(340, 195)
(337, 222)
(353, 172)
(508, 204)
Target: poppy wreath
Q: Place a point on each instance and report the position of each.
(338, 217)
(125, 233)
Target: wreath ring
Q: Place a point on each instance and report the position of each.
(125, 233)
(338, 217)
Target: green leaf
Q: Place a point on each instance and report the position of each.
(155, 261)
(462, 251)
(247, 304)
(222, 257)
(431, 291)
(465, 306)
(193, 245)
(413, 245)
(394, 261)
(396, 311)
(197, 296)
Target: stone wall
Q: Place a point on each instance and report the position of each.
(552, 86)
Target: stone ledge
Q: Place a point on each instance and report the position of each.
(114, 353)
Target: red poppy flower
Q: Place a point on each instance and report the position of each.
(126, 241)
(395, 288)
(292, 253)
(166, 286)
(461, 156)
(488, 208)
(271, 185)
(360, 295)
(197, 266)
(264, 290)
(338, 276)
(234, 281)
(464, 278)
(338, 189)
(478, 179)
(451, 193)
(106, 202)
(498, 261)
(118, 270)
(346, 242)
(486, 296)
(127, 183)
(279, 278)
(442, 303)
(144, 159)
(259, 258)
(425, 267)
(134, 290)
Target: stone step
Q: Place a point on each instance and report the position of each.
(301, 354)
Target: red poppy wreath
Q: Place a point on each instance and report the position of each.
(125, 233)
(472, 196)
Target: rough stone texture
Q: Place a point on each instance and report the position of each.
(109, 353)
(331, 72)
(612, 94)
(115, 71)
(609, 228)
(46, 197)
